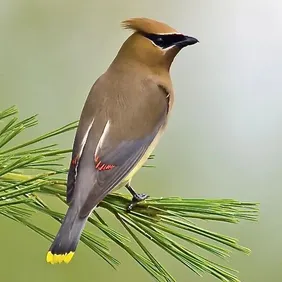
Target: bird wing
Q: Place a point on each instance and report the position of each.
(78, 147)
(112, 165)
(104, 156)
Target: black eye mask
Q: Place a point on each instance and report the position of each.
(165, 40)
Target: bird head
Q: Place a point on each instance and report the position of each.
(153, 43)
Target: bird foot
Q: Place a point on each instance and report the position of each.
(136, 199)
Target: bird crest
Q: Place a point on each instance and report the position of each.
(145, 25)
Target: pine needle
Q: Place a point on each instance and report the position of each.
(29, 172)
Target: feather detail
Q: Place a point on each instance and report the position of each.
(75, 160)
(84, 139)
(102, 138)
(73, 171)
(85, 136)
(148, 26)
(101, 166)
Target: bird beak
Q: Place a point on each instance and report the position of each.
(187, 40)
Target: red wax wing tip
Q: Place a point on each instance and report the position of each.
(100, 166)
(74, 161)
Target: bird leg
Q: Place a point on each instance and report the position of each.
(135, 197)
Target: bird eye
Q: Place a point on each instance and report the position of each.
(159, 40)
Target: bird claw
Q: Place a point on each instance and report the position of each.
(140, 197)
(135, 200)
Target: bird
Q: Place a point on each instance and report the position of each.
(123, 118)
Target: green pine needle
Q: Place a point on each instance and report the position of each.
(29, 171)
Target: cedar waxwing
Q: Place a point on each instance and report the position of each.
(122, 120)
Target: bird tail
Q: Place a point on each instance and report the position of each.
(65, 243)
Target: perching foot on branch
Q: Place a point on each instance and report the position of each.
(136, 198)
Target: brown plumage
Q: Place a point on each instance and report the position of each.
(123, 117)
(148, 26)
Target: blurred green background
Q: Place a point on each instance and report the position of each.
(224, 137)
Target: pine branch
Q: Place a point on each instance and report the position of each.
(29, 171)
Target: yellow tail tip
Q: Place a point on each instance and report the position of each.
(54, 258)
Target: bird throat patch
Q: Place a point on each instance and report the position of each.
(99, 165)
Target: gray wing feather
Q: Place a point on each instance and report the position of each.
(125, 156)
